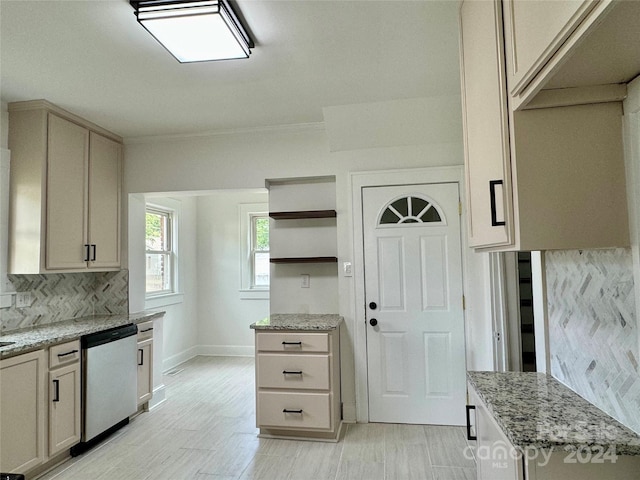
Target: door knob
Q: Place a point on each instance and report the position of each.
(373, 305)
(373, 322)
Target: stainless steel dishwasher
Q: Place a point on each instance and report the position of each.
(110, 376)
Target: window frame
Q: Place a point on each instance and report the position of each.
(247, 289)
(170, 252)
(253, 217)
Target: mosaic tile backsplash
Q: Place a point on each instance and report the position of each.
(593, 329)
(64, 296)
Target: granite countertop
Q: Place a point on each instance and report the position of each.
(34, 338)
(534, 410)
(301, 321)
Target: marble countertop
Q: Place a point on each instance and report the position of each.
(34, 338)
(295, 321)
(535, 410)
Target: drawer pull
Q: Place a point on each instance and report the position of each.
(299, 344)
(146, 330)
(68, 353)
(292, 372)
(56, 394)
(288, 410)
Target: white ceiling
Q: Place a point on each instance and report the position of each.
(93, 59)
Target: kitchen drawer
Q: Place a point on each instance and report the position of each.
(64, 354)
(314, 371)
(314, 410)
(145, 330)
(292, 342)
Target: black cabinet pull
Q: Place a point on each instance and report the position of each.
(292, 372)
(141, 361)
(56, 391)
(146, 330)
(288, 410)
(93, 254)
(68, 353)
(292, 343)
(87, 247)
(469, 436)
(492, 194)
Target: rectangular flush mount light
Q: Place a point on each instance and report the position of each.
(195, 31)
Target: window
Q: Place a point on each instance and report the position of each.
(411, 209)
(159, 251)
(259, 251)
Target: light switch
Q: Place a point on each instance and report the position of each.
(305, 280)
(346, 268)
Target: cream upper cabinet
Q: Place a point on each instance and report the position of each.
(554, 176)
(485, 120)
(540, 36)
(22, 412)
(65, 191)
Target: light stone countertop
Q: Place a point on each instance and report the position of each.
(535, 410)
(298, 321)
(43, 336)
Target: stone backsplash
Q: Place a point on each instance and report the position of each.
(593, 328)
(64, 296)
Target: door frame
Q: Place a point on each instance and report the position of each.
(385, 178)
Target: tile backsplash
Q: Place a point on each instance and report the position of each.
(593, 328)
(63, 296)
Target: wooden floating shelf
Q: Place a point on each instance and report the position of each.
(305, 260)
(301, 214)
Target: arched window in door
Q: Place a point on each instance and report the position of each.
(411, 209)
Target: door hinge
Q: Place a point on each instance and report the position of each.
(460, 208)
(464, 303)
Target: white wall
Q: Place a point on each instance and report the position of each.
(224, 311)
(245, 159)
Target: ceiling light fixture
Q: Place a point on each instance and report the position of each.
(194, 31)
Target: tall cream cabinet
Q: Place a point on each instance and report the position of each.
(22, 411)
(65, 190)
(547, 177)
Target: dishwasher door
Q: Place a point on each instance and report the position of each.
(111, 378)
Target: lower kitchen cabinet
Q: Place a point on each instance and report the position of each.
(298, 384)
(22, 412)
(64, 397)
(497, 458)
(145, 362)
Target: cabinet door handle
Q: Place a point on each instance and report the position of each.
(292, 372)
(492, 195)
(68, 353)
(93, 252)
(56, 391)
(87, 247)
(288, 410)
(141, 361)
(469, 436)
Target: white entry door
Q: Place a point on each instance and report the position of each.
(414, 311)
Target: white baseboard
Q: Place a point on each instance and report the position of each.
(175, 360)
(159, 396)
(226, 350)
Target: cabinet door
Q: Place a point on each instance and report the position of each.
(104, 202)
(64, 408)
(68, 149)
(535, 30)
(22, 412)
(485, 123)
(145, 371)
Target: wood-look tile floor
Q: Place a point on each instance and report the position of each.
(205, 430)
